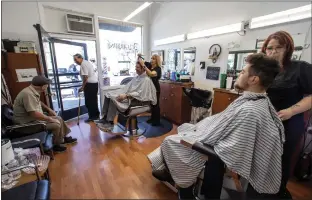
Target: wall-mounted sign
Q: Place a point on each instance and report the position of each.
(213, 73)
(131, 47)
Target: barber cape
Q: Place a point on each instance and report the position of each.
(140, 87)
(248, 136)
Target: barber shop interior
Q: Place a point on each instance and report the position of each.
(156, 100)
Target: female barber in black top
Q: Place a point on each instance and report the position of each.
(154, 71)
(291, 96)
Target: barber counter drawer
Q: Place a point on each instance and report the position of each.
(222, 99)
(174, 105)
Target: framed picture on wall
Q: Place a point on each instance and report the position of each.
(161, 53)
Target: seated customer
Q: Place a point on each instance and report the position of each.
(139, 91)
(28, 108)
(248, 136)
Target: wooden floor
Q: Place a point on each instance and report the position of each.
(101, 166)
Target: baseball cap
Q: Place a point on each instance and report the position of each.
(40, 81)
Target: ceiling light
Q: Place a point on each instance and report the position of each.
(174, 39)
(137, 11)
(216, 31)
(290, 15)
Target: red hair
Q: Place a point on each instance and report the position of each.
(284, 39)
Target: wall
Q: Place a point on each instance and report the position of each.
(169, 19)
(18, 17)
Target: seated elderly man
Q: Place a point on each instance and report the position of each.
(28, 108)
(248, 136)
(139, 91)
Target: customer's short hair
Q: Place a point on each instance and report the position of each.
(263, 66)
(78, 55)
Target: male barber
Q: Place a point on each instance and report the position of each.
(89, 86)
(28, 108)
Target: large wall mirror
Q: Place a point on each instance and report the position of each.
(236, 59)
(189, 55)
(173, 61)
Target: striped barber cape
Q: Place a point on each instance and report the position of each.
(248, 136)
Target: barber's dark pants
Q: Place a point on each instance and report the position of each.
(155, 109)
(294, 130)
(91, 100)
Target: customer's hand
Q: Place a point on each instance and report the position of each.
(52, 113)
(81, 89)
(121, 97)
(52, 120)
(285, 114)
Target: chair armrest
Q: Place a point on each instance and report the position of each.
(21, 130)
(34, 124)
(200, 147)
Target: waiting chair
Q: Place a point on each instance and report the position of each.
(36, 137)
(39, 189)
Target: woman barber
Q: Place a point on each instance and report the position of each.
(153, 70)
(287, 94)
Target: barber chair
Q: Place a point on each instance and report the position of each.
(128, 122)
(36, 137)
(216, 181)
(200, 100)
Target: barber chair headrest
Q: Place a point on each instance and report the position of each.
(6, 115)
(198, 97)
(125, 81)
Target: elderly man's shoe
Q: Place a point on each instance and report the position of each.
(69, 140)
(59, 149)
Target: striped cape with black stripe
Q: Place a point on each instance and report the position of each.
(248, 136)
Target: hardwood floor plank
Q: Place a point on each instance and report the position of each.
(103, 166)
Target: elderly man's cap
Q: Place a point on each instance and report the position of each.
(40, 81)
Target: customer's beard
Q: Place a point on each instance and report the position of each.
(238, 88)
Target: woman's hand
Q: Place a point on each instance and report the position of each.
(285, 114)
(141, 62)
(121, 97)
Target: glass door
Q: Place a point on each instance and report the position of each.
(58, 64)
(66, 76)
(48, 64)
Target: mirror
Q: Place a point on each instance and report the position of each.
(189, 55)
(230, 63)
(236, 59)
(173, 61)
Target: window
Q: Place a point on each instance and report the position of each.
(120, 44)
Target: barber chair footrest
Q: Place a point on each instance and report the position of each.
(135, 133)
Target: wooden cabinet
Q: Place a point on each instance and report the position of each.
(222, 98)
(174, 105)
(13, 61)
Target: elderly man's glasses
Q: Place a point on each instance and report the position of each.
(277, 49)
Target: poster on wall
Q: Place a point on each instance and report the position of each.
(26, 75)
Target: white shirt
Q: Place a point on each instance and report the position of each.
(86, 69)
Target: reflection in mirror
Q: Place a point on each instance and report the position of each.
(173, 59)
(189, 55)
(230, 63)
(241, 60)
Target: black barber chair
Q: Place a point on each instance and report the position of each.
(36, 137)
(198, 99)
(211, 184)
(127, 120)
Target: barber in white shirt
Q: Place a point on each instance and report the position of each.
(89, 86)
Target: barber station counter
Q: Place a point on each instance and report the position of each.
(174, 105)
(222, 98)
